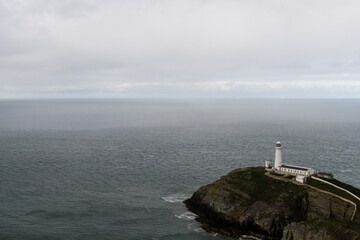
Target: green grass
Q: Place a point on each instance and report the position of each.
(287, 176)
(348, 187)
(276, 174)
(262, 188)
(329, 188)
(259, 187)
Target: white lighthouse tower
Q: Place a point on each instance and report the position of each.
(278, 160)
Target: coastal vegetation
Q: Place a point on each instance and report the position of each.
(334, 190)
(250, 201)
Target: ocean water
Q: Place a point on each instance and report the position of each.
(120, 169)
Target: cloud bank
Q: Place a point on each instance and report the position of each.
(179, 48)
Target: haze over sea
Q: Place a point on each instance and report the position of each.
(120, 169)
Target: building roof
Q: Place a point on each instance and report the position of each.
(295, 167)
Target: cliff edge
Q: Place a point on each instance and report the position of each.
(250, 202)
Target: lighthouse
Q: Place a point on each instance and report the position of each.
(299, 172)
(278, 160)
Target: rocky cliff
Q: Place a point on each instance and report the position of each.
(249, 202)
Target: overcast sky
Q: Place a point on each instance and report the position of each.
(179, 48)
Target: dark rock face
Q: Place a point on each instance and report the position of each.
(247, 202)
(299, 231)
(321, 230)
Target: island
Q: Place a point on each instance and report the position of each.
(275, 204)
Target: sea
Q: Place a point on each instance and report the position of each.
(120, 169)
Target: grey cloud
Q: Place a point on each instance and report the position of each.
(184, 48)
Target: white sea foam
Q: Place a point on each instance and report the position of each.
(187, 216)
(194, 226)
(175, 198)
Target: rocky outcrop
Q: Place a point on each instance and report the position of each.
(247, 202)
(322, 205)
(299, 231)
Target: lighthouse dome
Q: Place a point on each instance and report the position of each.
(278, 144)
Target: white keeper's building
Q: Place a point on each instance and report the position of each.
(297, 170)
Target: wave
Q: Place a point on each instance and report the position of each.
(176, 198)
(195, 227)
(187, 216)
